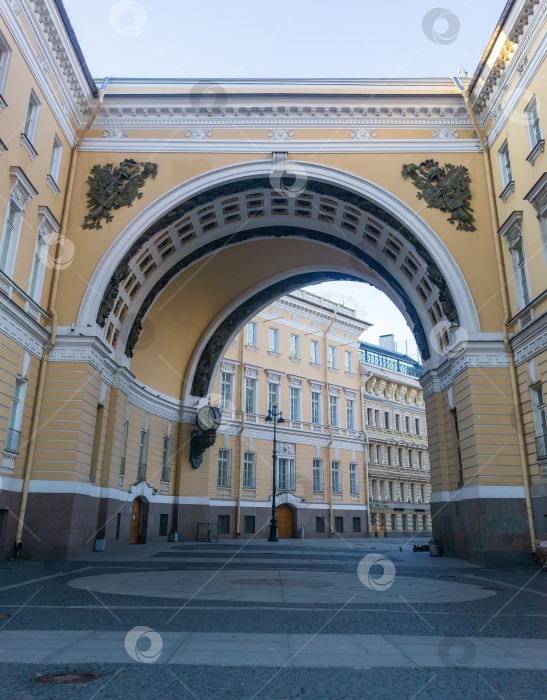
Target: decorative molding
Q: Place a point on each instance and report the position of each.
(252, 372)
(334, 390)
(229, 366)
(531, 340)
(351, 394)
(511, 229)
(362, 134)
(445, 134)
(507, 190)
(537, 196)
(28, 146)
(19, 326)
(274, 377)
(48, 225)
(198, 134)
(115, 134)
(286, 449)
(316, 386)
(295, 381)
(22, 190)
(3, 147)
(8, 462)
(536, 151)
(3, 105)
(280, 134)
(52, 185)
(258, 146)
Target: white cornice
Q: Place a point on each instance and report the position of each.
(9, 12)
(238, 145)
(17, 325)
(530, 341)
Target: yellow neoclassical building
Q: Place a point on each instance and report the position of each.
(146, 222)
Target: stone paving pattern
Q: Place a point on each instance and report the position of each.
(513, 616)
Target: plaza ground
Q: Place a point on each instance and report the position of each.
(298, 618)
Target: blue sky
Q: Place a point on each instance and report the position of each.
(283, 39)
(290, 39)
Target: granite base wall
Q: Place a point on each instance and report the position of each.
(490, 532)
(10, 502)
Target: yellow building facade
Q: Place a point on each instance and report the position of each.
(115, 319)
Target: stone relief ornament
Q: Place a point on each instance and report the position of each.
(445, 188)
(112, 187)
(198, 134)
(362, 134)
(280, 134)
(445, 134)
(115, 134)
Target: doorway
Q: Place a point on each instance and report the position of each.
(284, 514)
(135, 526)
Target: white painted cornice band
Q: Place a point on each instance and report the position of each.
(135, 145)
(467, 493)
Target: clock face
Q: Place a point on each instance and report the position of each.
(208, 418)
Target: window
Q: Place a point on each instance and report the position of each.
(333, 411)
(350, 414)
(370, 417)
(540, 417)
(420, 460)
(319, 523)
(249, 470)
(250, 395)
(403, 522)
(532, 122)
(316, 407)
(285, 474)
(252, 334)
(407, 424)
(338, 524)
(226, 390)
(520, 272)
(417, 425)
(164, 520)
(314, 352)
(377, 418)
(336, 478)
(390, 491)
(397, 422)
(332, 357)
(273, 344)
(273, 394)
(223, 524)
(56, 155)
(5, 56)
(38, 270)
(295, 347)
(400, 456)
(402, 492)
(16, 416)
(224, 465)
(249, 524)
(353, 479)
(386, 420)
(414, 522)
(296, 394)
(143, 450)
(393, 523)
(166, 458)
(505, 165)
(317, 476)
(424, 522)
(31, 121)
(10, 238)
(422, 493)
(124, 446)
(348, 361)
(411, 458)
(356, 524)
(389, 451)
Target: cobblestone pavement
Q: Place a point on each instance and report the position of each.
(273, 620)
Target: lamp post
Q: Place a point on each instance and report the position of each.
(274, 416)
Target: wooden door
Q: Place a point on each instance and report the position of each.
(135, 526)
(284, 521)
(382, 525)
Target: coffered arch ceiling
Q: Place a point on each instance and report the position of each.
(253, 201)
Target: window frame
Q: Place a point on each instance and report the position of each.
(505, 164)
(9, 246)
(226, 398)
(166, 459)
(5, 58)
(350, 413)
(315, 352)
(143, 455)
(348, 361)
(273, 340)
(533, 125)
(274, 394)
(295, 403)
(294, 348)
(30, 127)
(334, 418)
(332, 359)
(316, 408)
(251, 334)
(224, 474)
(56, 157)
(251, 395)
(354, 479)
(249, 469)
(317, 474)
(289, 477)
(336, 471)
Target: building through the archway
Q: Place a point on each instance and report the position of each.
(143, 228)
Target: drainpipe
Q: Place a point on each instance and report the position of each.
(363, 418)
(242, 406)
(326, 356)
(506, 315)
(52, 311)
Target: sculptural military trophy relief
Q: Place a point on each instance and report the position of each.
(208, 421)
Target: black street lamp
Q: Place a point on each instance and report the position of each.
(275, 416)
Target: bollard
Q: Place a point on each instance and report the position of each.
(300, 533)
(434, 548)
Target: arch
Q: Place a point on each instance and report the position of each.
(400, 215)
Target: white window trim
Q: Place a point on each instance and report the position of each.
(273, 332)
(5, 59)
(254, 380)
(166, 459)
(528, 110)
(320, 407)
(249, 458)
(299, 390)
(228, 454)
(504, 156)
(318, 466)
(336, 400)
(315, 360)
(48, 227)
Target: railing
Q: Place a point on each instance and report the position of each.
(12, 441)
(379, 359)
(541, 441)
(224, 491)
